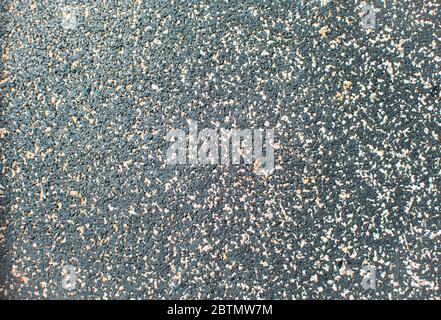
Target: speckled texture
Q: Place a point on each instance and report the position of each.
(86, 106)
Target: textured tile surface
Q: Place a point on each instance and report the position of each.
(90, 89)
